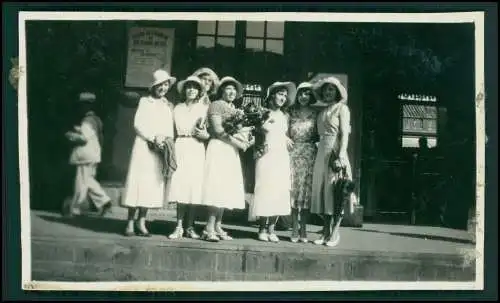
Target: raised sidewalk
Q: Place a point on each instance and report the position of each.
(89, 248)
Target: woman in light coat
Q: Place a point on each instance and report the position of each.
(145, 187)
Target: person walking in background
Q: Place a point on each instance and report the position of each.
(146, 184)
(303, 132)
(86, 156)
(272, 167)
(333, 128)
(223, 186)
(210, 82)
(187, 180)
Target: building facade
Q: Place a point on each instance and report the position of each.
(257, 54)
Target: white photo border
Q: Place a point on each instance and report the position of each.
(477, 18)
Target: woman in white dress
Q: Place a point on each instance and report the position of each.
(187, 180)
(210, 82)
(272, 168)
(223, 182)
(146, 184)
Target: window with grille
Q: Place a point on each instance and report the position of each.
(419, 119)
(265, 36)
(252, 94)
(212, 33)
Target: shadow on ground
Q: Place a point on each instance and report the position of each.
(420, 236)
(117, 226)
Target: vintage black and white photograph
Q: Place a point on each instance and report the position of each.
(328, 151)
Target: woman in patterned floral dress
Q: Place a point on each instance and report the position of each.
(303, 132)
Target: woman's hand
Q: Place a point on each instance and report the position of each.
(251, 142)
(344, 160)
(289, 143)
(239, 143)
(201, 133)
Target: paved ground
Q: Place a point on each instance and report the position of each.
(371, 237)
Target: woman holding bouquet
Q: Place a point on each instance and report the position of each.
(333, 128)
(187, 180)
(272, 169)
(303, 132)
(223, 182)
(154, 125)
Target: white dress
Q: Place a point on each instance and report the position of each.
(223, 182)
(187, 180)
(145, 185)
(273, 172)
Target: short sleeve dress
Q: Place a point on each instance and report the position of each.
(223, 176)
(323, 179)
(303, 132)
(272, 171)
(187, 180)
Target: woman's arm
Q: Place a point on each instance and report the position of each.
(75, 136)
(200, 130)
(141, 121)
(289, 142)
(216, 122)
(345, 129)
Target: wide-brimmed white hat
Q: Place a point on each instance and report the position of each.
(230, 80)
(207, 71)
(318, 86)
(190, 79)
(87, 97)
(304, 85)
(160, 76)
(290, 88)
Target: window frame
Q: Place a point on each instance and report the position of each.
(265, 37)
(434, 135)
(216, 35)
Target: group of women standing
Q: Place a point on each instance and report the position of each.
(291, 175)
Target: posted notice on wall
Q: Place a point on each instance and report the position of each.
(149, 48)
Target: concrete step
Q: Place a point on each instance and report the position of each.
(92, 249)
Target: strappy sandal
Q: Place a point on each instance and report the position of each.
(210, 236)
(177, 234)
(263, 236)
(320, 241)
(273, 238)
(141, 233)
(333, 241)
(190, 233)
(223, 235)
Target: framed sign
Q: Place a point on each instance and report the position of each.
(149, 49)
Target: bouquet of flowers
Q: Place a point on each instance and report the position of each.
(246, 124)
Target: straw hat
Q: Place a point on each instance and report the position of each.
(207, 71)
(304, 85)
(290, 88)
(87, 97)
(160, 76)
(318, 86)
(230, 80)
(190, 79)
